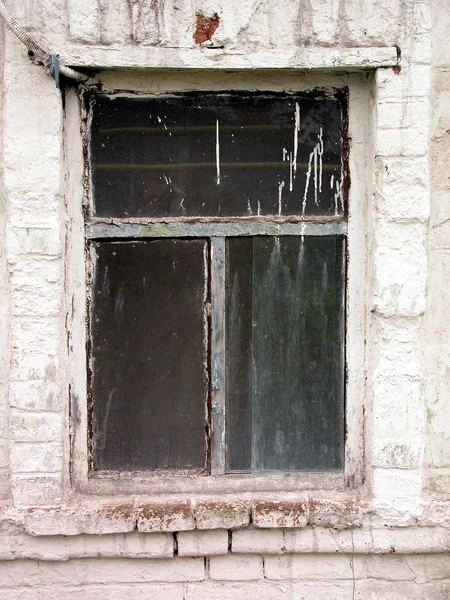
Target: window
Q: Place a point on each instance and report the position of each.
(216, 238)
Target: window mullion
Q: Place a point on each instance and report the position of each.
(217, 355)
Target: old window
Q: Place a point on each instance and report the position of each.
(217, 244)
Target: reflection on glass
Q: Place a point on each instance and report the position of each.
(285, 353)
(217, 155)
(148, 377)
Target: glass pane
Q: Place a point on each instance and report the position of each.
(148, 376)
(285, 353)
(217, 155)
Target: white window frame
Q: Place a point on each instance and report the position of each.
(358, 230)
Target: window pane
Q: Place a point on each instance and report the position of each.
(148, 376)
(217, 155)
(285, 353)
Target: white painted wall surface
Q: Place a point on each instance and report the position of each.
(389, 538)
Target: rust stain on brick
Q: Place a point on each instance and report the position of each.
(117, 511)
(165, 516)
(280, 514)
(220, 514)
(205, 27)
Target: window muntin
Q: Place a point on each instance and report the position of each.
(314, 201)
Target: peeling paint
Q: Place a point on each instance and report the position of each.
(205, 27)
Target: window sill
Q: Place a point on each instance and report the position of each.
(172, 514)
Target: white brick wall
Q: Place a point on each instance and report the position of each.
(274, 552)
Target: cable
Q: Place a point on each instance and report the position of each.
(51, 61)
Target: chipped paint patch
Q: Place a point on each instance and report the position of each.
(205, 27)
(284, 513)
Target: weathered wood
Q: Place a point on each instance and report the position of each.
(118, 229)
(141, 57)
(217, 355)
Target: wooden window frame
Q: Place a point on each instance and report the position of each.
(82, 228)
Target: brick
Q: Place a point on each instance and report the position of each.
(109, 518)
(381, 590)
(428, 568)
(439, 159)
(389, 567)
(411, 82)
(5, 476)
(36, 458)
(327, 540)
(235, 568)
(412, 113)
(24, 301)
(440, 116)
(37, 546)
(396, 419)
(401, 188)
(115, 21)
(420, 51)
(4, 452)
(84, 21)
(222, 514)
(400, 280)
(38, 490)
(404, 512)
(437, 513)
(281, 513)
(37, 335)
(34, 240)
(413, 539)
(93, 592)
(402, 142)
(249, 541)
(33, 271)
(35, 212)
(396, 484)
(309, 566)
(399, 453)
(202, 543)
(165, 516)
(339, 514)
(35, 395)
(399, 349)
(400, 268)
(35, 427)
(248, 590)
(100, 519)
(129, 545)
(34, 366)
(106, 571)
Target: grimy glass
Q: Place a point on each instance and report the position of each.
(217, 236)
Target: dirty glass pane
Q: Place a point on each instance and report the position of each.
(217, 155)
(285, 354)
(148, 378)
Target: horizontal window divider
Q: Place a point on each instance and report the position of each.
(117, 229)
(195, 128)
(205, 165)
